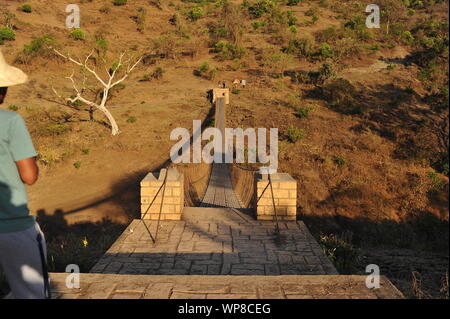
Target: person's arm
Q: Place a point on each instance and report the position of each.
(28, 170)
(22, 151)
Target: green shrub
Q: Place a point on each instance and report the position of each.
(77, 164)
(75, 103)
(303, 111)
(356, 28)
(325, 51)
(195, 13)
(85, 150)
(77, 34)
(261, 7)
(204, 67)
(437, 183)
(235, 91)
(257, 24)
(26, 8)
(119, 2)
(390, 67)
(355, 22)
(102, 44)
(7, 33)
(146, 78)
(228, 51)
(407, 37)
(328, 34)
(440, 161)
(326, 72)
(293, 2)
(206, 71)
(339, 160)
(158, 73)
(293, 29)
(340, 251)
(39, 44)
(301, 47)
(132, 119)
(310, 12)
(291, 18)
(116, 66)
(294, 134)
(13, 107)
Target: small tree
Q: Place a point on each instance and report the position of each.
(232, 18)
(392, 11)
(276, 62)
(106, 86)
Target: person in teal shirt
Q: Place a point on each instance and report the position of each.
(22, 243)
(15, 146)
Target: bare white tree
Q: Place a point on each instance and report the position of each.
(106, 85)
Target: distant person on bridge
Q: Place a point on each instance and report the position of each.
(22, 244)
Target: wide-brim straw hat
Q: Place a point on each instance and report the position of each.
(10, 75)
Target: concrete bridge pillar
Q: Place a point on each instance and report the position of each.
(152, 190)
(221, 93)
(284, 197)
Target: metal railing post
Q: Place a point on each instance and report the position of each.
(163, 188)
(277, 227)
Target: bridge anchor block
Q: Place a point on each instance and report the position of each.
(173, 202)
(284, 196)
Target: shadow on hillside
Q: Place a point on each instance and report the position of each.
(395, 113)
(422, 231)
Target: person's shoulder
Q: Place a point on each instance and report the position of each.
(8, 115)
(9, 119)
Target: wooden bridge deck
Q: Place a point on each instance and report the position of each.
(220, 192)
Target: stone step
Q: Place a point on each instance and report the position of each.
(110, 286)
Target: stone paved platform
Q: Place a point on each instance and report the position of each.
(101, 286)
(215, 241)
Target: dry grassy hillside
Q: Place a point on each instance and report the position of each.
(362, 113)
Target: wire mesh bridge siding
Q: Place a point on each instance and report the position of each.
(219, 192)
